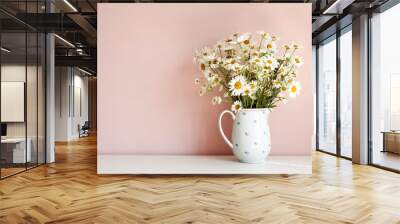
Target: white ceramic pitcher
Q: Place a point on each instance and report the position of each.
(251, 141)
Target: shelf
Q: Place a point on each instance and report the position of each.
(190, 164)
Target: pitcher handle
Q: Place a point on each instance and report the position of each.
(220, 126)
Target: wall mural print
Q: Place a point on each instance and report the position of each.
(149, 105)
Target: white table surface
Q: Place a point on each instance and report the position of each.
(13, 140)
(168, 164)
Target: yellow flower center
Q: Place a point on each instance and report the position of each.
(269, 61)
(297, 60)
(252, 85)
(203, 67)
(237, 106)
(246, 91)
(238, 85)
(246, 42)
(294, 89)
(269, 46)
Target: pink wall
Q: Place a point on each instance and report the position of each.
(147, 101)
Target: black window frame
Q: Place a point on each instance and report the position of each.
(334, 37)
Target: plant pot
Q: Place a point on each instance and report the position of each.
(251, 141)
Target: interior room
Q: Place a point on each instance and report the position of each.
(72, 105)
(22, 102)
(199, 111)
(385, 90)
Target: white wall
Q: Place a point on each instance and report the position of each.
(80, 110)
(34, 126)
(62, 81)
(71, 102)
(15, 72)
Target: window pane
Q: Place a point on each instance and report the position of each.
(385, 81)
(327, 96)
(346, 93)
(15, 150)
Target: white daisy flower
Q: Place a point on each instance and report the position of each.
(216, 100)
(244, 38)
(236, 106)
(286, 47)
(219, 44)
(227, 47)
(271, 62)
(211, 57)
(231, 40)
(253, 96)
(294, 89)
(260, 32)
(204, 86)
(261, 76)
(256, 61)
(253, 85)
(298, 61)
(205, 51)
(215, 79)
(233, 66)
(276, 84)
(247, 91)
(270, 46)
(202, 92)
(237, 85)
(295, 46)
(207, 75)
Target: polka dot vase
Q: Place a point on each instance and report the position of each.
(251, 141)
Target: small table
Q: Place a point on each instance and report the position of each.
(17, 150)
(391, 141)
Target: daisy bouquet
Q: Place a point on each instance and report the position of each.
(248, 72)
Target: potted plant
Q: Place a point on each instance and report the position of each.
(247, 72)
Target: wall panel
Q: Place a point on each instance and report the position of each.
(147, 102)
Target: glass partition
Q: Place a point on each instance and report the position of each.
(346, 93)
(14, 155)
(385, 89)
(22, 77)
(327, 95)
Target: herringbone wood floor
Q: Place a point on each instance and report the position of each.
(70, 191)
